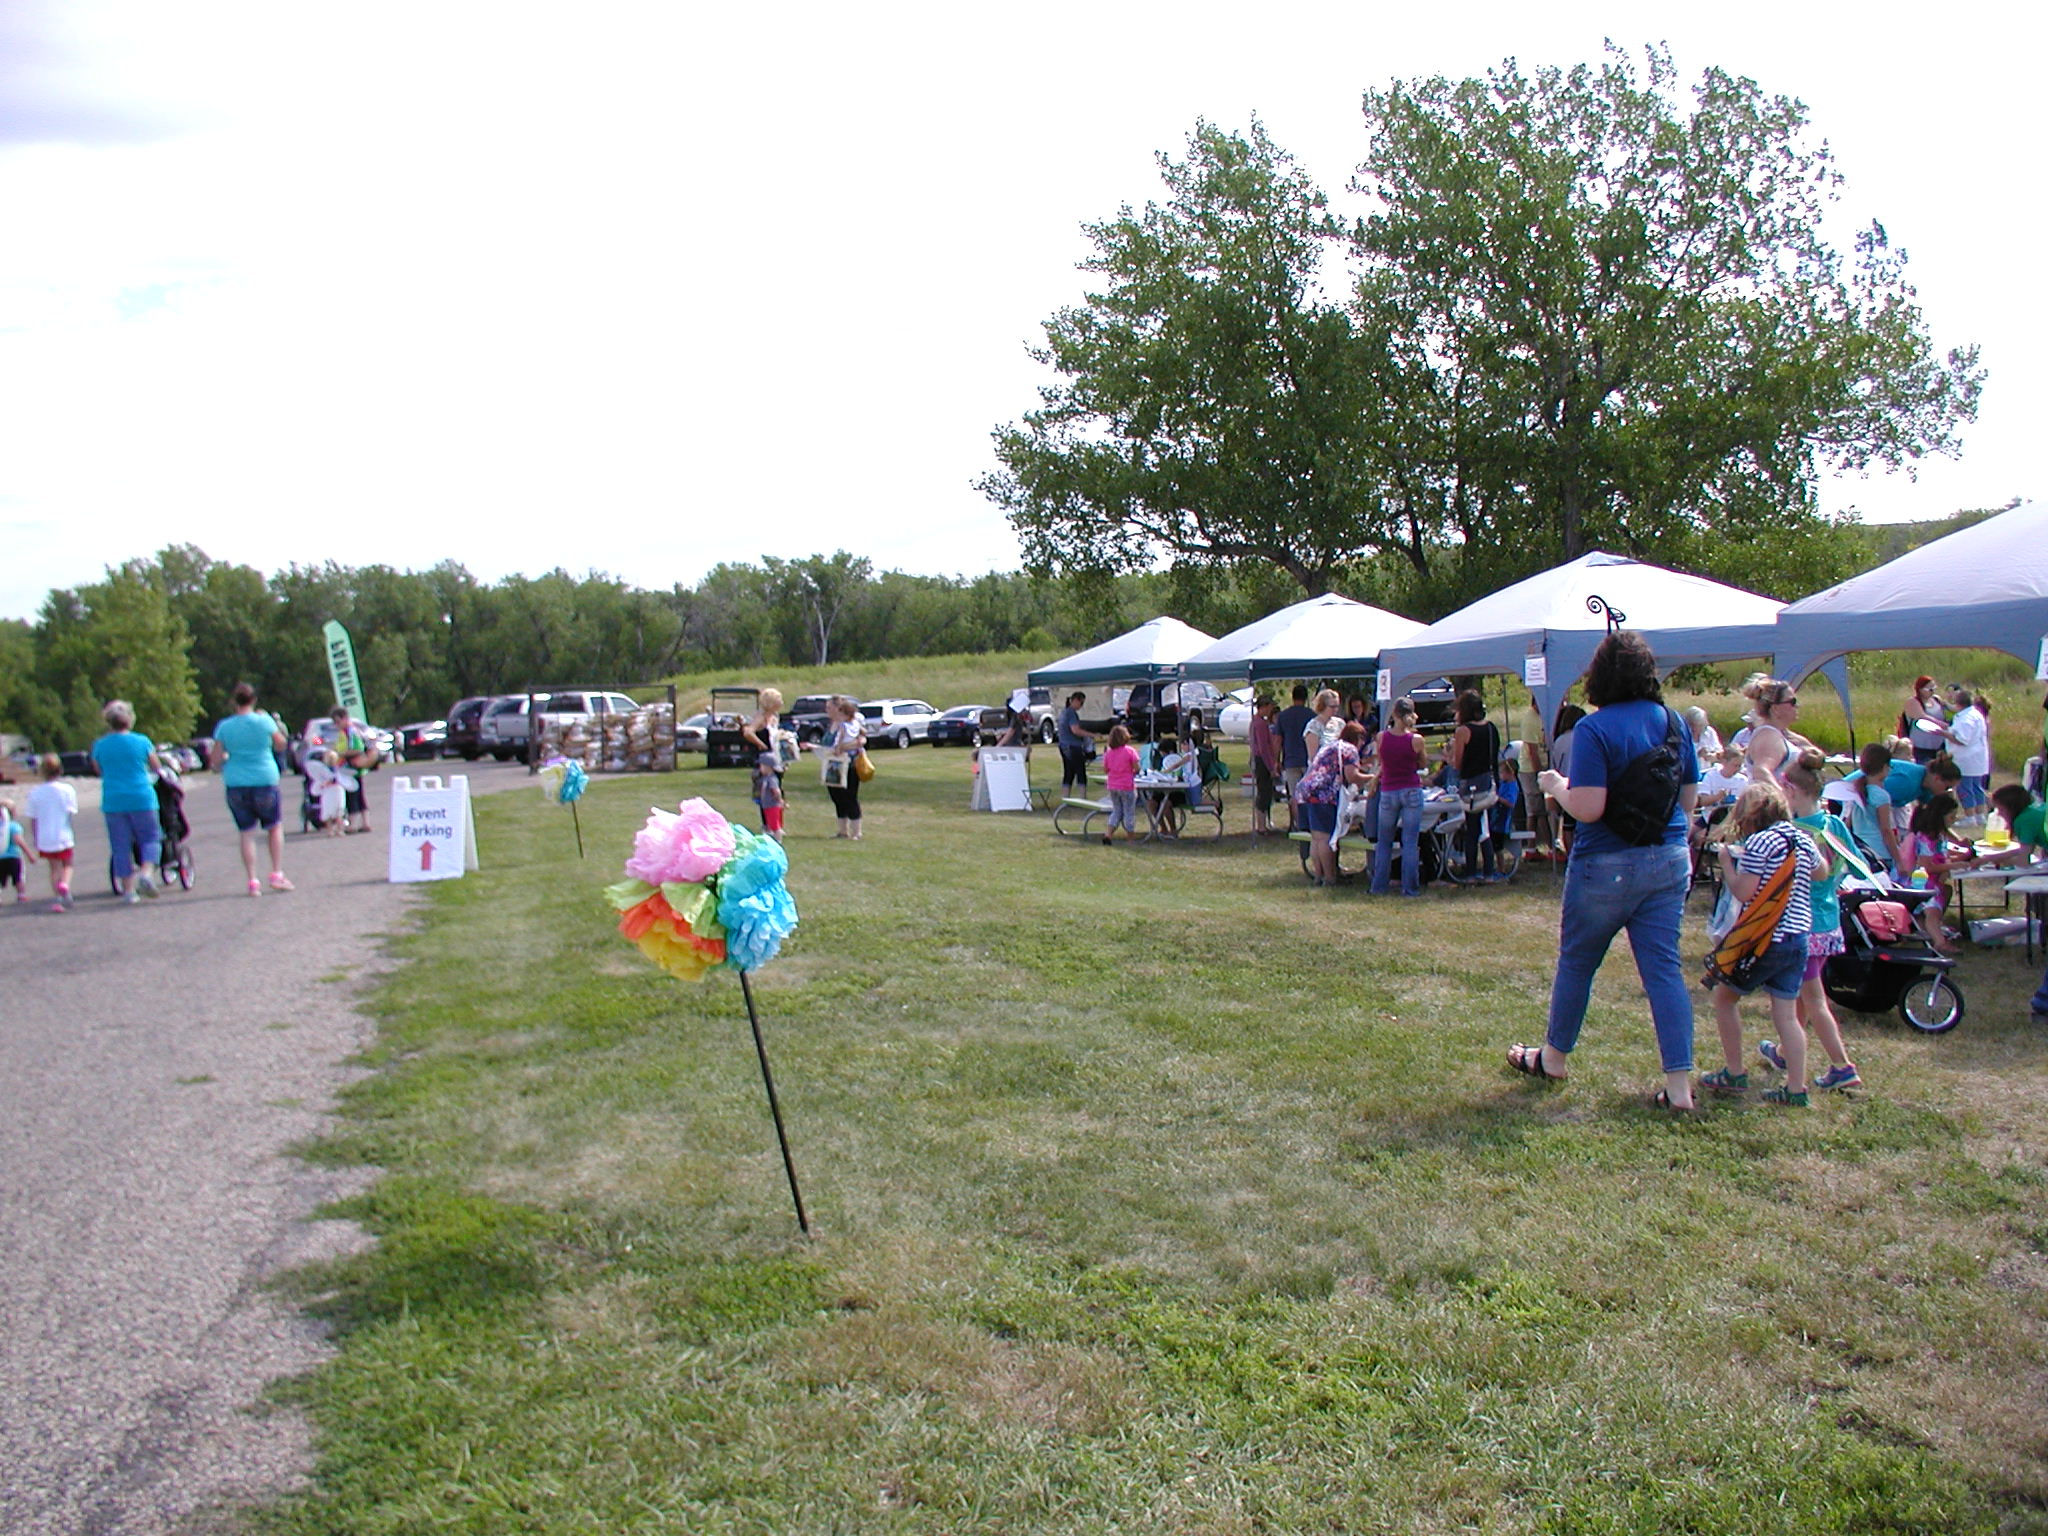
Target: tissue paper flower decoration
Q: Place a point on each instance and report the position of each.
(562, 781)
(754, 905)
(687, 845)
(734, 914)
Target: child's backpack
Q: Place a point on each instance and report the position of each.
(1738, 953)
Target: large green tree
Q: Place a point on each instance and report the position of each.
(1214, 402)
(1620, 323)
(1582, 316)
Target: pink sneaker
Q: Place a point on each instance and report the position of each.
(255, 887)
(278, 881)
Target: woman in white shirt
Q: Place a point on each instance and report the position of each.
(1706, 741)
(1969, 743)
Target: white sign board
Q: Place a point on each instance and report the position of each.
(1383, 688)
(1005, 780)
(2041, 666)
(1535, 671)
(433, 832)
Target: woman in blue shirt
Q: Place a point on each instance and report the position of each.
(128, 800)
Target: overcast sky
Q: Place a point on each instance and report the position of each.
(640, 288)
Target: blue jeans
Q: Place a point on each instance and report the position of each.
(2041, 997)
(1402, 808)
(1642, 890)
(129, 831)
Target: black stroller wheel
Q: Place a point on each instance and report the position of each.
(1931, 1004)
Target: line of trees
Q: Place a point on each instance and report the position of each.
(175, 632)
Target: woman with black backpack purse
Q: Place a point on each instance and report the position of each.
(1631, 790)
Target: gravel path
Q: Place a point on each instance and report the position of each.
(155, 1064)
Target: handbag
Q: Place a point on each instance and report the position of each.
(863, 766)
(1885, 921)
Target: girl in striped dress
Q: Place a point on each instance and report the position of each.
(1762, 820)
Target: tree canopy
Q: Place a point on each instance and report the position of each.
(1580, 316)
(1213, 400)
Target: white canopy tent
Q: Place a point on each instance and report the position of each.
(1984, 586)
(1155, 648)
(1554, 615)
(1327, 636)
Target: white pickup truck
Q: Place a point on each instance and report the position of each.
(506, 726)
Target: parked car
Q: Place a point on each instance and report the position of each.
(464, 716)
(321, 732)
(422, 738)
(898, 722)
(179, 756)
(694, 734)
(79, 765)
(1162, 706)
(486, 728)
(1045, 714)
(807, 717)
(507, 725)
(959, 727)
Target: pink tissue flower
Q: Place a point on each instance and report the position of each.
(685, 847)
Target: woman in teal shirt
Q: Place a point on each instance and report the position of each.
(128, 801)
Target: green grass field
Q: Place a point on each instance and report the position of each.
(1154, 1192)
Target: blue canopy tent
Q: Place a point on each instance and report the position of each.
(1327, 636)
(1561, 615)
(1982, 587)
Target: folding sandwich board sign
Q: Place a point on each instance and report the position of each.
(1004, 783)
(433, 831)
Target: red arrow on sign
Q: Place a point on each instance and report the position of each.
(426, 855)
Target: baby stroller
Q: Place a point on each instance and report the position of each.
(321, 778)
(1888, 963)
(309, 806)
(174, 858)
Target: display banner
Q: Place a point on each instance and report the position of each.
(341, 666)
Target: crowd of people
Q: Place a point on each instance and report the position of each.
(247, 750)
(1782, 835)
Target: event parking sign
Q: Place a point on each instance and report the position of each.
(433, 833)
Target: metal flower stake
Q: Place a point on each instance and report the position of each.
(562, 782)
(702, 895)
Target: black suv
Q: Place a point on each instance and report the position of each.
(463, 718)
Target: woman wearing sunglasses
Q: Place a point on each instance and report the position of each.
(1773, 743)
